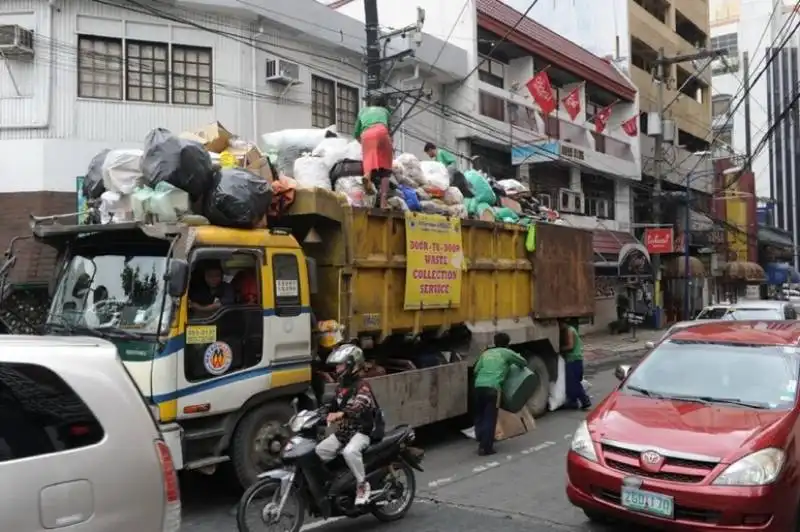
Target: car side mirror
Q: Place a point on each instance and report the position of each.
(649, 345)
(178, 277)
(621, 373)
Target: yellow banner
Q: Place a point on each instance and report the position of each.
(434, 261)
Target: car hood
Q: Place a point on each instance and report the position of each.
(711, 430)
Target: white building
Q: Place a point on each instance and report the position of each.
(585, 175)
(93, 75)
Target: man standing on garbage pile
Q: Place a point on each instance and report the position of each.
(491, 371)
(572, 351)
(440, 155)
(372, 130)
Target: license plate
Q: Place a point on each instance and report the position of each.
(648, 502)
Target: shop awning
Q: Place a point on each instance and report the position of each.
(748, 272)
(675, 268)
(610, 242)
(779, 273)
(772, 236)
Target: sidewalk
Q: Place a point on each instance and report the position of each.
(602, 347)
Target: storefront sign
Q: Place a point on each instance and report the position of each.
(434, 260)
(634, 261)
(658, 240)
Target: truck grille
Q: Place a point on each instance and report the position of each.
(673, 470)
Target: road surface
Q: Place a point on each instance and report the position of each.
(521, 489)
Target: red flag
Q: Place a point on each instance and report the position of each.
(601, 119)
(631, 126)
(542, 92)
(572, 102)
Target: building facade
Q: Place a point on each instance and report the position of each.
(92, 76)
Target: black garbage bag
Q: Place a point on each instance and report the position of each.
(346, 168)
(93, 186)
(239, 199)
(182, 163)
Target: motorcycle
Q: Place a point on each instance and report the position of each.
(282, 497)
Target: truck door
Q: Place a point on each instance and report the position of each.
(287, 317)
(223, 364)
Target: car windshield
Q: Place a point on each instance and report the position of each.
(751, 376)
(744, 314)
(111, 291)
(713, 313)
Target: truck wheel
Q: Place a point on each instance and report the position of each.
(258, 440)
(538, 403)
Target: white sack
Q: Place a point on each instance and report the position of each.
(115, 208)
(286, 146)
(453, 196)
(353, 188)
(558, 389)
(122, 171)
(332, 150)
(311, 172)
(435, 174)
(512, 186)
(407, 169)
(353, 151)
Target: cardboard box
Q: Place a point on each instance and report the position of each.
(261, 168)
(214, 137)
(512, 425)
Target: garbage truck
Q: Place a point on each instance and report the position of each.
(423, 294)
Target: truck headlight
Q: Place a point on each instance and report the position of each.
(756, 469)
(582, 443)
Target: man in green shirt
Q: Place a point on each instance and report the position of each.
(440, 155)
(490, 374)
(572, 351)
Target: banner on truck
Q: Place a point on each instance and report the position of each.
(434, 261)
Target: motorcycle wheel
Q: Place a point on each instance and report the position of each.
(257, 507)
(396, 506)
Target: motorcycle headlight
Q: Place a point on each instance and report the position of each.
(757, 469)
(582, 443)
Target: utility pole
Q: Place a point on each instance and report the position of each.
(373, 46)
(748, 147)
(661, 78)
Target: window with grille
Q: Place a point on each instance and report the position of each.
(346, 108)
(729, 42)
(191, 75)
(99, 68)
(491, 106)
(147, 70)
(323, 102)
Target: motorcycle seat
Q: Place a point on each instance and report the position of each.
(389, 439)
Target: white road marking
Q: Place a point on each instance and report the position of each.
(440, 482)
(317, 524)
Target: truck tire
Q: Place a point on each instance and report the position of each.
(250, 449)
(538, 403)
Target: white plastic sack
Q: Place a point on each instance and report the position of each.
(435, 174)
(512, 186)
(558, 389)
(453, 196)
(459, 211)
(286, 146)
(407, 168)
(353, 151)
(122, 171)
(115, 208)
(332, 150)
(312, 172)
(353, 188)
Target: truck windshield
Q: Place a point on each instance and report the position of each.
(111, 291)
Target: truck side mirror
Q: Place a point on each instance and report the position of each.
(178, 277)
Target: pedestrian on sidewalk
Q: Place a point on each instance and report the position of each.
(572, 351)
(491, 371)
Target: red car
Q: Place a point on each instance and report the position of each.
(701, 435)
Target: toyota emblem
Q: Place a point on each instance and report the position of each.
(651, 460)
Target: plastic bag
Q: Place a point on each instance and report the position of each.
(558, 390)
(453, 196)
(481, 190)
(286, 146)
(353, 151)
(459, 211)
(433, 207)
(239, 199)
(182, 163)
(435, 174)
(283, 191)
(410, 197)
(93, 186)
(353, 188)
(122, 171)
(115, 208)
(332, 150)
(165, 203)
(346, 168)
(512, 186)
(311, 172)
(407, 168)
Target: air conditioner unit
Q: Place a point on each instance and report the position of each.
(601, 208)
(570, 201)
(16, 42)
(282, 72)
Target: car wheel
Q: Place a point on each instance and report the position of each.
(257, 441)
(538, 403)
(596, 517)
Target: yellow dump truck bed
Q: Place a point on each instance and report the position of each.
(361, 264)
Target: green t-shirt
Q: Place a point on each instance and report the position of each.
(369, 116)
(445, 157)
(493, 365)
(576, 353)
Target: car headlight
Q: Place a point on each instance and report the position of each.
(757, 469)
(582, 443)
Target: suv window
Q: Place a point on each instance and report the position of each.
(40, 414)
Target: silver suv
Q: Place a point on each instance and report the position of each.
(79, 449)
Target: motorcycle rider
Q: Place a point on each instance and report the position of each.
(354, 409)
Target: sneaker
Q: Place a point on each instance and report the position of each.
(363, 491)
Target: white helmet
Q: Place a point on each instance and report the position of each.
(351, 356)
